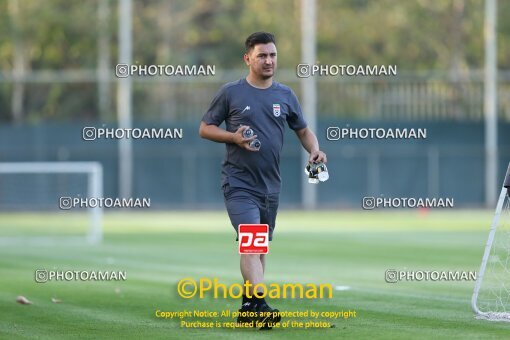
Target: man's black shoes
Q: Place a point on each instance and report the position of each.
(269, 316)
(259, 314)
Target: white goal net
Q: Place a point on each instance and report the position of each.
(491, 297)
(33, 197)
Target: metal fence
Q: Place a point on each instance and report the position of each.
(74, 95)
(186, 173)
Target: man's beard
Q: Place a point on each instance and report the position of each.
(265, 76)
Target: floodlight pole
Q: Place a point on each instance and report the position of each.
(124, 99)
(308, 90)
(103, 59)
(490, 103)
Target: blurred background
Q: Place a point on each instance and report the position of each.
(57, 75)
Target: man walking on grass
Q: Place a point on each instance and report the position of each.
(250, 173)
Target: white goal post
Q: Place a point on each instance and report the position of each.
(493, 279)
(94, 187)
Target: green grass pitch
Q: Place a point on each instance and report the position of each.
(156, 250)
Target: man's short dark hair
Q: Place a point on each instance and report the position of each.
(258, 38)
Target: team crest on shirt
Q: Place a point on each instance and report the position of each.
(276, 110)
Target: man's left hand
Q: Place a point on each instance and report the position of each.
(317, 156)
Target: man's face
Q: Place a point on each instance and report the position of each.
(261, 60)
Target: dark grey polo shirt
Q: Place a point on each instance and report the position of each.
(266, 111)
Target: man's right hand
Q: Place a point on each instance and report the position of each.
(217, 134)
(242, 142)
